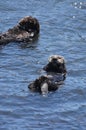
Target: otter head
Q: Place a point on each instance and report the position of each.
(56, 64)
(56, 59)
(29, 24)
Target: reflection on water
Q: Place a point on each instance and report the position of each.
(63, 32)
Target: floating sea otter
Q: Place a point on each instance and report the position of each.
(26, 31)
(56, 74)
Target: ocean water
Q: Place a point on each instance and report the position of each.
(63, 32)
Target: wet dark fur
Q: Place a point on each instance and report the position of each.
(26, 31)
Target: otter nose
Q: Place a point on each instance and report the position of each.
(54, 60)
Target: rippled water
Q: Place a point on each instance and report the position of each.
(63, 32)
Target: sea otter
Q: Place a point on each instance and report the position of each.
(26, 31)
(56, 74)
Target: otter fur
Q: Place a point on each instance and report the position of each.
(26, 30)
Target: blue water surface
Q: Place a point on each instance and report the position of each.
(63, 32)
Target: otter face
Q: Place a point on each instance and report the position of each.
(29, 24)
(56, 64)
(57, 59)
